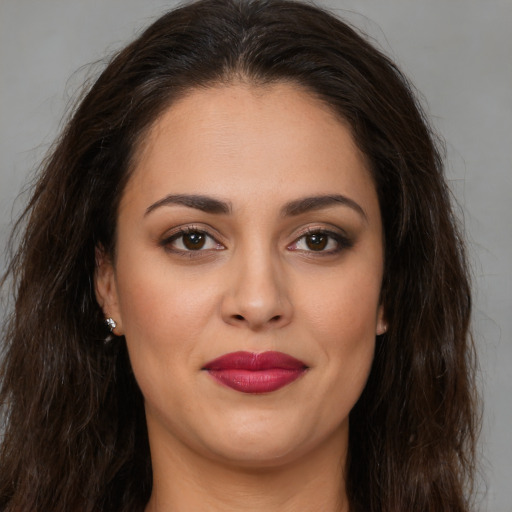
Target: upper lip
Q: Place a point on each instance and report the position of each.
(255, 361)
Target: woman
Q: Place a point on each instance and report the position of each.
(240, 284)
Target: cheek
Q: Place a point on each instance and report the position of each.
(154, 297)
(341, 315)
(164, 315)
(343, 305)
(345, 333)
(164, 322)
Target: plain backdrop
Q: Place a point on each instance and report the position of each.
(458, 53)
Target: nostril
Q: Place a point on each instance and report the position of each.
(275, 318)
(238, 317)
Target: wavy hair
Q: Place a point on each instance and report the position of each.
(74, 427)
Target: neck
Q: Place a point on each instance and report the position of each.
(185, 481)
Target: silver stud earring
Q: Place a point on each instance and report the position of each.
(111, 324)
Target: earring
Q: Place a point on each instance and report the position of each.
(111, 324)
(383, 329)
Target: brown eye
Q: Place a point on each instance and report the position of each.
(316, 241)
(321, 242)
(194, 241)
(189, 240)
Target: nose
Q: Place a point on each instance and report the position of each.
(257, 295)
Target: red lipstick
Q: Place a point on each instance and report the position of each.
(249, 372)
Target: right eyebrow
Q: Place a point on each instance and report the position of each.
(204, 203)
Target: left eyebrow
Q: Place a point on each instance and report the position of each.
(307, 204)
(199, 202)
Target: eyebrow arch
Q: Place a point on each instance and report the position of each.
(199, 202)
(307, 204)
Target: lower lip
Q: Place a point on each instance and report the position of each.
(259, 381)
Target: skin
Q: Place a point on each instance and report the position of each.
(255, 285)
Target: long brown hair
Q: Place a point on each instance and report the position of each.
(75, 435)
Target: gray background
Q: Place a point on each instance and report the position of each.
(458, 53)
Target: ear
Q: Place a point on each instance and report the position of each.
(382, 324)
(105, 287)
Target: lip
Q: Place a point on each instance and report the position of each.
(250, 372)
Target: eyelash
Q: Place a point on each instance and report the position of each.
(342, 242)
(167, 243)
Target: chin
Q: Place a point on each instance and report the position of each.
(266, 442)
(259, 455)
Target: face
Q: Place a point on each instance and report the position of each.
(247, 275)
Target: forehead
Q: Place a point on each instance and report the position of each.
(246, 139)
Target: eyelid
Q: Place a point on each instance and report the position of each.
(343, 240)
(177, 232)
